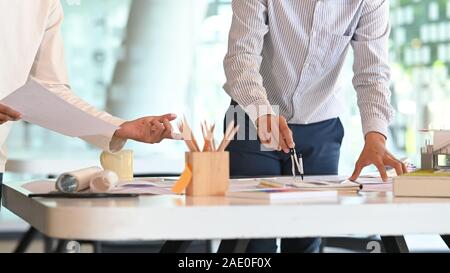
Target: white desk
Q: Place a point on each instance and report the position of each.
(180, 218)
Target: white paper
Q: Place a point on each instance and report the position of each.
(42, 107)
(326, 179)
(310, 182)
(142, 190)
(365, 180)
(141, 187)
(384, 187)
(239, 185)
(39, 187)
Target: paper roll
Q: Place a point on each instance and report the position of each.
(76, 181)
(104, 181)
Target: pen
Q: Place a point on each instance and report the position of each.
(298, 161)
(293, 167)
(294, 162)
(300, 167)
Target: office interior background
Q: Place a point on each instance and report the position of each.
(150, 57)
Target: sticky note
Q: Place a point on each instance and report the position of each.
(121, 163)
(183, 183)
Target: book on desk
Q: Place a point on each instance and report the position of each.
(423, 183)
(272, 194)
(314, 183)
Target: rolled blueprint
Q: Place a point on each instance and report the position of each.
(76, 181)
(104, 181)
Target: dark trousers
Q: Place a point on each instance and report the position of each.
(320, 145)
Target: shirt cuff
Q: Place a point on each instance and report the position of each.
(258, 109)
(375, 125)
(108, 143)
(116, 144)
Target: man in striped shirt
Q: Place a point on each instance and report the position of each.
(282, 68)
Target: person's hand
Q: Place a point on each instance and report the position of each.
(8, 114)
(274, 133)
(375, 153)
(148, 130)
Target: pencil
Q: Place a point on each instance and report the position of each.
(191, 147)
(190, 134)
(213, 142)
(231, 137)
(180, 127)
(227, 132)
(270, 184)
(207, 146)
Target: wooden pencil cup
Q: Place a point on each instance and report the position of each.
(210, 173)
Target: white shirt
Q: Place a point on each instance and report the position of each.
(31, 45)
(290, 53)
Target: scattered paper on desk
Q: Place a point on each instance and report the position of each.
(322, 185)
(148, 190)
(385, 187)
(40, 187)
(47, 186)
(237, 185)
(375, 184)
(42, 107)
(365, 180)
(184, 181)
(340, 183)
(282, 194)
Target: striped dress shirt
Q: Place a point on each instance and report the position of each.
(290, 53)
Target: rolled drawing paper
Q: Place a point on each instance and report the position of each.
(104, 182)
(76, 181)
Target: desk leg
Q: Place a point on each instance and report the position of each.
(233, 246)
(97, 247)
(61, 246)
(446, 239)
(394, 244)
(26, 240)
(209, 246)
(48, 244)
(175, 247)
